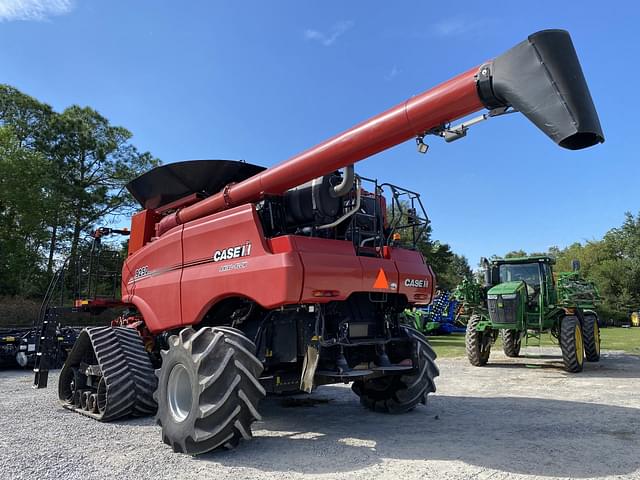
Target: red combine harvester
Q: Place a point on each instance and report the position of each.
(242, 280)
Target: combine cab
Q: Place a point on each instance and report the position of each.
(241, 280)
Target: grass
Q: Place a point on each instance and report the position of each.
(626, 339)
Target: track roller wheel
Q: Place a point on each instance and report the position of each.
(511, 342)
(208, 389)
(571, 344)
(402, 393)
(591, 337)
(91, 404)
(477, 344)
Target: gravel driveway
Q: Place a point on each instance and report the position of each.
(507, 420)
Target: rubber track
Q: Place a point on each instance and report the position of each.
(591, 352)
(472, 343)
(510, 342)
(568, 344)
(228, 373)
(402, 393)
(126, 370)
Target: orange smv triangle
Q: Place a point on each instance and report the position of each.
(381, 280)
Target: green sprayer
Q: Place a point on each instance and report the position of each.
(522, 300)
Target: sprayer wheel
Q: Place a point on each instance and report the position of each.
(591, 336)
(477, 344)
(208, 389)
(402, 393)
(571, 344)
(511, 342)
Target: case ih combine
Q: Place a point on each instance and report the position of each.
(242, 280)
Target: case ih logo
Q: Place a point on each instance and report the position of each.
(416, 282)
(238, 251)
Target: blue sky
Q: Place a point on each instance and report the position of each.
(262, 81)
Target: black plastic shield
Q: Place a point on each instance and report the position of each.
(173, 181)
(542, 78)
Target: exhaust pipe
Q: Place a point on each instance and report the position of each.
(541, 77)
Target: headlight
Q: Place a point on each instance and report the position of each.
(510, 296)
(492, 297)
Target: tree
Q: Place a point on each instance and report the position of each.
(612, 263)
(60, 174)
(95, 160)
(24, 182)
(27, 117)
(30, 122)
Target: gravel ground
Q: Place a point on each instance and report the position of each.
(507, 420)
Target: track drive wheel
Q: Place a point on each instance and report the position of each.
(591, 337)
(208, 389)
(402, 393)
(571, 344)
(477, 344)
(511, 342)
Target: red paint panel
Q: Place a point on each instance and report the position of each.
(333, 265)
(328, 265)
(156, 288)
(269, 279)
(413, 274)
(142, 228)
(371, 269)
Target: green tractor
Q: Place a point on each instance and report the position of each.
(522, 302)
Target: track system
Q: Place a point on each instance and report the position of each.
(108, 375)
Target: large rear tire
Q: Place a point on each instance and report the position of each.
(477, 344)
(208, 389)
(402, 393)
(511, 342)
(591, 335)
(571, 344)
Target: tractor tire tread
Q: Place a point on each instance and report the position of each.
(402, 393)
(567, 338)
(473, 343)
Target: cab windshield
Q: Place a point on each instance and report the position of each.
(527, 272)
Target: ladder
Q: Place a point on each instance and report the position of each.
(533, 336)
(46, 348)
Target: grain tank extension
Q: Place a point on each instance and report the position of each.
(242, 280)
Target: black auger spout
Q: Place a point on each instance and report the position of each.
(541, 77)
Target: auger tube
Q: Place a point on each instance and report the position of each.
(541, 77)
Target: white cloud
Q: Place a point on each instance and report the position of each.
(457, 26)
(329, 37)
(392, 73)
(37, 10)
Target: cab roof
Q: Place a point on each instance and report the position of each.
(521, 260)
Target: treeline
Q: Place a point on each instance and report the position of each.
(61, 174)
(612, 263)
